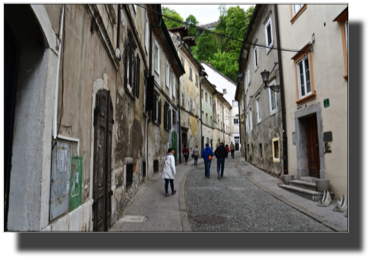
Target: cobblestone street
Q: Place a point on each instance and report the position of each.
(243, 206)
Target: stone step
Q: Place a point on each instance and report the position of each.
(303, 184)
(306, 193)
(309, 179)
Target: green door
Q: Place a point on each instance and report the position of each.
(174, 144)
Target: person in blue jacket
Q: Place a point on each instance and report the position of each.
(206, 152)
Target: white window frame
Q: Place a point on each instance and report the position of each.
(249, 74)
(174, 90)
(158, 57)
(146, 34)
(296, 8)
(256, 57)
(299, 77)
(271, 34)
(167, 74)
(270, 92)
(258, 110)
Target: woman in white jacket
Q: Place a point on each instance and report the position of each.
(169, 171)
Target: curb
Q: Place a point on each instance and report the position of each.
(297, 207)
(182, 205)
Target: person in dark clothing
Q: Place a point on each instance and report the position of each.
(220, 153)
(185, 152)
(232, 147)
(207, 157)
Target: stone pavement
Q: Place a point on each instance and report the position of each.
(162, 213)
(245, 200)
(244, 206)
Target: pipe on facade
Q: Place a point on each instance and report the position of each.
(55, 110)
(245, 122)
(284, 133)
(179, 125)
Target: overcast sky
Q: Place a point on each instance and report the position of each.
(204, 13)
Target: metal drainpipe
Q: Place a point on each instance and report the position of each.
(284, 133)
(245, 122)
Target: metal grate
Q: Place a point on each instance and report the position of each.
(155, 165)
(129, 175)
(144, 168)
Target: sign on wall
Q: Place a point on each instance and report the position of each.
(76, 182)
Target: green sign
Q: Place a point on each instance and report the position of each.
(326, 103)
(76, 183)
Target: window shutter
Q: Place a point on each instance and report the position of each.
(154, 116)
(165, 117)
(170, 119)
(137, 74)
(150, 101)
(125, 55)
(159, 112)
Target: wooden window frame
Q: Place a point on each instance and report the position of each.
(342, 19)
(298, 57)
(293, 16)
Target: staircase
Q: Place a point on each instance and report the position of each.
(306, 188)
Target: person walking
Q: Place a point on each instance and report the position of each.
(185, 152)
(169, 171)
(228, 150)
(232, 147)
(207, 156)
(220, 153)
(196, 155)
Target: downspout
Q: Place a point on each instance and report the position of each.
(179, 124)
(55, 110)
(245, 122)
(284, 133)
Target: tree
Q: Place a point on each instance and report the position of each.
(248, 16)
(172, 14)
(206, 46)
(193, 21)
(226, 63)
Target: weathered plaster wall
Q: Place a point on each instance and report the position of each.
(328, 71)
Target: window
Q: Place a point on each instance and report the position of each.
(210, 100)
(296, 8)
(174, 117)
(235, 103)
(249, 74)
(261, 150)
(174, 90)
(145, 91)
(250, 118)
(211, 121)
(276, 149)
(304, 76)
(258, 110)
(183, 63)
(191, 73)
(129, 64)
(191, 105)
(268, 34)
(196, 80)
(156, 58)
(236, 121)
(256, 58)
(304, 81)
(167, 75)
(171, 86)
(146, 33)
(206, 97)
(183, 99)
(272, 99)
(167, 117)
(156, 113)
(206, 118)
(296, 11)
(343, 20)
(224, 91)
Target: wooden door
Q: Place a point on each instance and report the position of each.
(312, 146)
(102, 160)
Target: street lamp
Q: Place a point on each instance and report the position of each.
(265, 76)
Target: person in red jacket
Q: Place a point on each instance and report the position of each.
(228, 150)
(185, 152)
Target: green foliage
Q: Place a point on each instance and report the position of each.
(192, 20)
(226, 63)
(172, 14)
(207, 46)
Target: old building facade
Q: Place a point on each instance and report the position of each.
(190, 128)
(81, 89)
(263, 117)
(316, 85)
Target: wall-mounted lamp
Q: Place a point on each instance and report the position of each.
(265, 76)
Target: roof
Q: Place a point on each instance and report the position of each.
(209, 25)
(203, 62)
